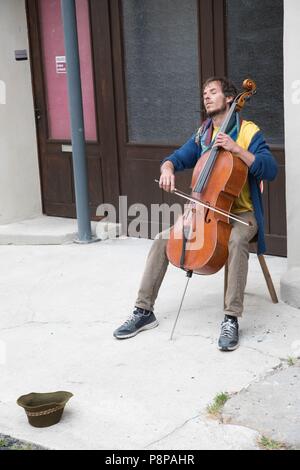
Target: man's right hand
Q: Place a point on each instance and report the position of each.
(167, 177)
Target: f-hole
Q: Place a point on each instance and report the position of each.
(207, 220)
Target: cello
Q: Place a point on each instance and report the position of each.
(198, 241)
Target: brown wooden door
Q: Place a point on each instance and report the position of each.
(148, 61)
(50, 99)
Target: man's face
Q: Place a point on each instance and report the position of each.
(214, 100)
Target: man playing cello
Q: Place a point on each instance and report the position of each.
(245, 141)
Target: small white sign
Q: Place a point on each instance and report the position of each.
(66, 148)
(61, 64)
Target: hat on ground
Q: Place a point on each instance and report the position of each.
(44, 409)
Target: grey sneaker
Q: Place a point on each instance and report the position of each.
(139, 320)
(229, 337)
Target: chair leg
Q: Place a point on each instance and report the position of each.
(268, 278)
(225, 282)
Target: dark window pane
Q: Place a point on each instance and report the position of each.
(162, 69)
(255, 50)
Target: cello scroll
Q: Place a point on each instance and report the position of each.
(250, 87)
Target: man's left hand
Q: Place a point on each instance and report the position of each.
(226, 142)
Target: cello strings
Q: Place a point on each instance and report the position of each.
(213, 208)
(207, 168)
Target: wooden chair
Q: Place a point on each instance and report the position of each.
(265, 271)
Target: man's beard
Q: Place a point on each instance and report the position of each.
(215, 112)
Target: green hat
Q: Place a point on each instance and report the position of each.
(44, 409)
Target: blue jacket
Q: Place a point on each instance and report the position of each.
(264, 167)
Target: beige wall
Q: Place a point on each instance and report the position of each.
(20, 196)
(292, 126)
(290, 281)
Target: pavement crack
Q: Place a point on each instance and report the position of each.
(30, 322)
(263, 376)
(263, 353)
(177, 428)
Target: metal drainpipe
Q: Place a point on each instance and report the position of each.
(77, 123)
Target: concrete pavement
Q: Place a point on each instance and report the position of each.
(59, 307)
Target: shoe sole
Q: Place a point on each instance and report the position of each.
(228, 349)
(143, 328)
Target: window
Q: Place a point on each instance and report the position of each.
(161, 70)
(255, 50)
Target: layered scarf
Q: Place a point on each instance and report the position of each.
(204, 134)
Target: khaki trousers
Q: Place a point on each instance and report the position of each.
(157, 264)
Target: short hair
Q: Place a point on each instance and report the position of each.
(228, 87)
